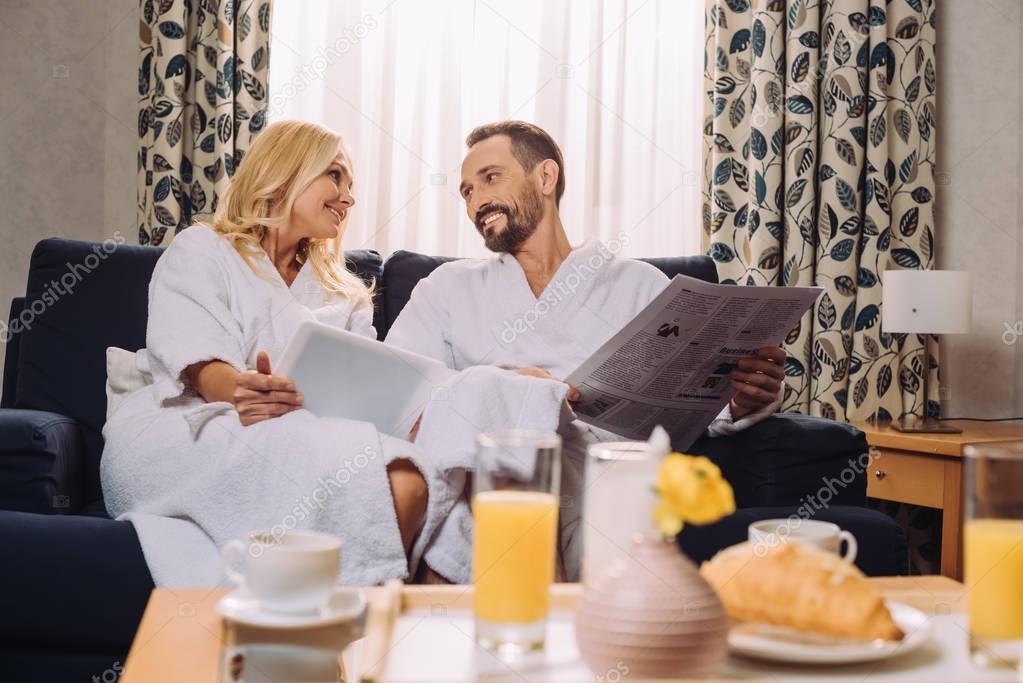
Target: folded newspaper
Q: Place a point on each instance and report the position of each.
(670, 366)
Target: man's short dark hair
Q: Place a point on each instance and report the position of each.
(530, 145)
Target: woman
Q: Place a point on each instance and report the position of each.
(218, 445)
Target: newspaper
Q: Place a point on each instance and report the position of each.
(670, 366)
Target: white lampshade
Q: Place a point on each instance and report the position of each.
(927, 301)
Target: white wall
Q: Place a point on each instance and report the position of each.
(979, 208)
(67, 126)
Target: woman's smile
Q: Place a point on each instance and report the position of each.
(337, 211)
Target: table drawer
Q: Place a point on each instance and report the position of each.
(906, 477)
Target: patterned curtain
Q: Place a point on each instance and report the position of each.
(202, 96)
(819, 170)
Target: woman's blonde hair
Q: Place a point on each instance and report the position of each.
(282, 162)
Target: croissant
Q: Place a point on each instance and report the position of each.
(800, 587)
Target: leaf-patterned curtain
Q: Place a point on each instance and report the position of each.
(819, 170)
(202, 96)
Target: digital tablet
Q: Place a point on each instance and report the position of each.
(342, 374)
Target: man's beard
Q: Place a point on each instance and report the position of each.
(521, 221)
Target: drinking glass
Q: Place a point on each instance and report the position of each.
(993, 553)
(515, 519)
(618, 502)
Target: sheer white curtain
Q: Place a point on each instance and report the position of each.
(616, 82)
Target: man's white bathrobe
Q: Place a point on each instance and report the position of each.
(475, 312)
(190, 477)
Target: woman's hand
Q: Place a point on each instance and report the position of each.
(757, 381)
(532, 371)
(260, 395)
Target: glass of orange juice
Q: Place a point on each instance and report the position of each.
(993, 553)
(515, 529)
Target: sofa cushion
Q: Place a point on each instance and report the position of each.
(700, 267)
(70, 583)
(40, 462)
(792, 459)
(369, 265)
(81, 298)
(882, 543)
(402, 272)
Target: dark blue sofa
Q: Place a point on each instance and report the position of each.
(75, 582)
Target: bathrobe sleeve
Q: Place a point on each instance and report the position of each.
(343, 315)
(724, 424)
(361, 322)
(423, 325)
(190, 318)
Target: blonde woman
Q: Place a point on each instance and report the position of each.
(217, 445)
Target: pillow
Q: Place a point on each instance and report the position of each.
(402, 272)
(127, 372)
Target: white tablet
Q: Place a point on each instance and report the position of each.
(342, 374)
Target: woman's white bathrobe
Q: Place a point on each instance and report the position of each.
(190, 477)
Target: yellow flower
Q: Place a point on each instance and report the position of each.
(668, 523)
(692, 490)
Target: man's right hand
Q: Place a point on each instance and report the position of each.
(533, 371)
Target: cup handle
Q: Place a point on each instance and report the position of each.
(850, 545)
(227, 556)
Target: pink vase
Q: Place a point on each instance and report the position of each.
(651, 616)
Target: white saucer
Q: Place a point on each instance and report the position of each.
(345, 604)
(776, 644)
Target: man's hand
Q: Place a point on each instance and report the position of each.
(260, 395)
(532, 371)
(757, 381)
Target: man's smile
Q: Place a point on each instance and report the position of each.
(488, 218)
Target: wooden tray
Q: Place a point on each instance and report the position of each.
(179, 638)
(424, 634)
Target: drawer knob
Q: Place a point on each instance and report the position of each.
(880, 474)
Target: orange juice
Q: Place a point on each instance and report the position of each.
(513, 554)
(993, 556)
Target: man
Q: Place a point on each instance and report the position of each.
(540, 306)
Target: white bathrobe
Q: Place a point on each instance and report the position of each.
(475, 312)
(190, 477)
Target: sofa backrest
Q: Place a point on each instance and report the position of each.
(82, 297)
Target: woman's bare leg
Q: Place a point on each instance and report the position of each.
(408, 488)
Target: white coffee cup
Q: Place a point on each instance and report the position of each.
(292, 572)
(769, 533)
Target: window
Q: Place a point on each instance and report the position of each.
(617, 83)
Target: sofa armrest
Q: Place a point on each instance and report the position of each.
(792, 459)
(41, 458)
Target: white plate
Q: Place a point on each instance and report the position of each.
(777, 644)
(345, 604)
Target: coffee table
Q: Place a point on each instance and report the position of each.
(927, 469)
(179, 640)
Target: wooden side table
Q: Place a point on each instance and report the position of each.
(926, 469)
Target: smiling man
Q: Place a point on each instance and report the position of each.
(539, 305)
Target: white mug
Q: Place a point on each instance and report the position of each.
(292, 572)
(768, 533)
